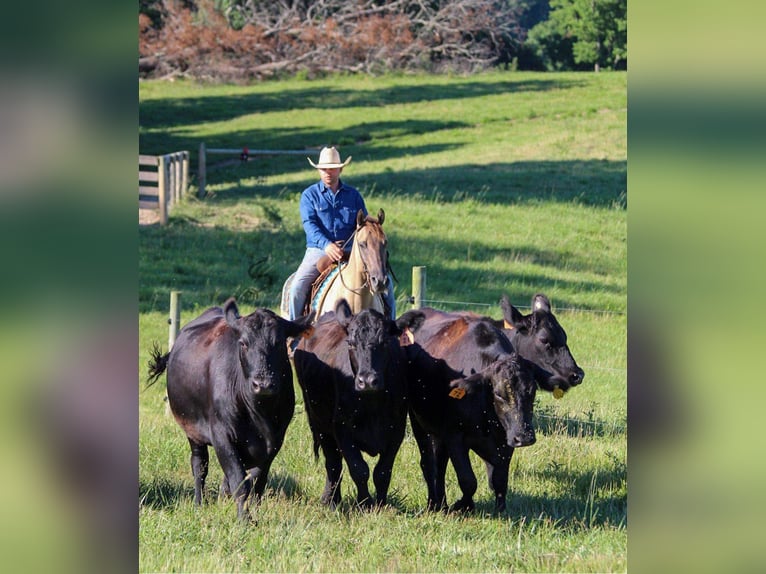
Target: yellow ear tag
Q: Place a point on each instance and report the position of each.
(457, 393)
(557, 393)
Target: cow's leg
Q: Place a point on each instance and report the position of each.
(333, 465)
(239, 483)
(466, 478)
(428, 464)
(199, 464)
(498, 481)
(358, 469)
(440, 491)
(259, 475)
(381, 476)
(490, 470)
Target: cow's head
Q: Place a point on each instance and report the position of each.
(511, 382)
(371, 338)
(539, 338)
(262, 346)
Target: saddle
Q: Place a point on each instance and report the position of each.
(325, 266)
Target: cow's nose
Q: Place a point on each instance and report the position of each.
(526, 439)
(367, 382)
(262, 386)
(576, 377)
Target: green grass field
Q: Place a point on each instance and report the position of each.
(498, 183)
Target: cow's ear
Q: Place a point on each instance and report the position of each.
(465, 386)
(511, 314)
(540, 303)
(360, 218)
(411, 320)
(343, 313)
(381, 216)
(301, 327)
(231, 312)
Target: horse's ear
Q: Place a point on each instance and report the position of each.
(360, 218)
(381, 216)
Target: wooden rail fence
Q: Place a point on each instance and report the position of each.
(162, 181)
(244, 154)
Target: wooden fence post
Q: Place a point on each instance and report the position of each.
(174, 318)
(184, 172)
(418, 287)
(201, 161)
(170, 161)
(162, 189)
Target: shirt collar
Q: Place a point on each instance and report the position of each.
(326, 189)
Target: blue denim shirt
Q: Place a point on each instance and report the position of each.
(328, 218)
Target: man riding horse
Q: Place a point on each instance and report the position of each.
(329, 212)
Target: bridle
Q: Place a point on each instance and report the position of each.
(365, 271)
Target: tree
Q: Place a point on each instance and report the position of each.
(591, 33)
(245, 39)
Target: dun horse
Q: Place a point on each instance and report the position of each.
(361, 281)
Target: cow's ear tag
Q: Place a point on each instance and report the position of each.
(557, 393)
(308, 333)
(457, 393)
(407, 337)
(507, 325)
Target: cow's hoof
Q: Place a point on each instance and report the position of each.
(366, 503)
(463, 505)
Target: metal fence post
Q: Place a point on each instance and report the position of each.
(201, 168)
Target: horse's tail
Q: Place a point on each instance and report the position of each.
(157, 364)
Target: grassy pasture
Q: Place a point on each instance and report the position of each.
(498, 183)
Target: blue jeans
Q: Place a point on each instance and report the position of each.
(305, 276)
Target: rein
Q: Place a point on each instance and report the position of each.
(364, 266)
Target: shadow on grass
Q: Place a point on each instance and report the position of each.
(567, 512)
(177, 112)
(162, 493)
(597, 183)
(590, 501)
(550, 424)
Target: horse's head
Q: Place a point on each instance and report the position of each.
(372, 246)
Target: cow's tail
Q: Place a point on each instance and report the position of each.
(157, 364)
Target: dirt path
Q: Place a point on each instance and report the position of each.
(148, 216)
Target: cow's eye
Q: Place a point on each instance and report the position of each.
(243, 345)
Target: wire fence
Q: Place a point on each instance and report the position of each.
(474, 304)
(463, 304)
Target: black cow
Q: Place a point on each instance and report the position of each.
(352, 374)
(540, 338)
(449, 346)
(230, 385)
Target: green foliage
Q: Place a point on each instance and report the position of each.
(590, 33)
(497, 183)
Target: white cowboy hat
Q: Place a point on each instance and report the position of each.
(329, 158)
